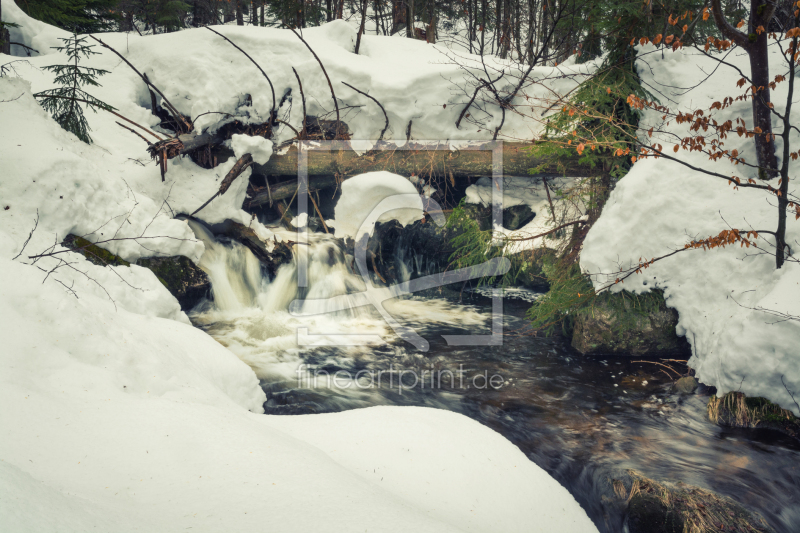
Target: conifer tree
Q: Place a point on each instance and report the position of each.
(80, 16)
(64, 102)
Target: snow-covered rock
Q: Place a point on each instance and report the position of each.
(660, 205)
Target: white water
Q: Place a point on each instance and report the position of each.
(249, 313)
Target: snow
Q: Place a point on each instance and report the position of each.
(413, 81)
(258, 147)
(361, 195)
(126, 423)
(126, 418)
(661, 205)
(530, 191)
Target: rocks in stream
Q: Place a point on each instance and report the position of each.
(685, 385)
(737, 410)
(182, 278)
(628, 324)
(666, 507)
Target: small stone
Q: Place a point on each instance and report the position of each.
(685, 385)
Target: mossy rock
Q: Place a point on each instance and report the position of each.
(182, 278)
(92, 252)
(667, 507)
(737, 410)
(628, 324)
(529, 268)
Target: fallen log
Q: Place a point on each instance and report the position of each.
(328, 168)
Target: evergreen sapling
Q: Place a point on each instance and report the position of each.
(64, 102)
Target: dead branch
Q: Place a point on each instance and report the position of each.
(274, 112)
(330, 85)
(110, 111)
(245, 161)
(562, 226)
(385, 116)
(135, 133)
(178, 117)
(27, 48)
(290, 127)
(303, 97)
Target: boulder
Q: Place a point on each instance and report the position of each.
(628, 324)
(182, 278)
(685, 385)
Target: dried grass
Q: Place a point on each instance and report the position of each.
(699, 510)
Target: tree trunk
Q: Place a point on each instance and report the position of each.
(363, 22)
(410, 19)
(756, 45)
(239, 13)
(325, 168)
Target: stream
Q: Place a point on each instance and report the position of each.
(585, 420)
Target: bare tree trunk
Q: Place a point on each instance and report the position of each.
(410, 19)
(470, 25)
(239, 13)
(363, 22)
(756, 45)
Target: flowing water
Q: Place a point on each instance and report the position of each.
(585, 420)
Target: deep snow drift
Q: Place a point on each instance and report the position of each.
(660, 205)
(122, 416)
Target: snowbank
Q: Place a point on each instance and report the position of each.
(660, 205)
(413, 80)
(129, 423)
(361, 195)
(122, 417)
(530, 191)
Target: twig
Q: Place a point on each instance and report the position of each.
(385, 116)
(135, 133)
(290, 127)
(562, 226)
(311, 196)
(550, 200)
(26, 47)
(245, 161)
(274, 112)
(790, 394)
(110, 111)
(172, 108)
(330, 85)
(24, 244)
(303, 97)
(659, 364)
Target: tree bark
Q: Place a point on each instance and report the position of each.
(327, 168)
(363, 23)
(239, 13)
(756, 45)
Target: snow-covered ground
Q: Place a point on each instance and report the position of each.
(661, 205)
(120, 416)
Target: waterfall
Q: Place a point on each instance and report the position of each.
(235, 273)
(237, 280)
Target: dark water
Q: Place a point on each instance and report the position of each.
(584, 420)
